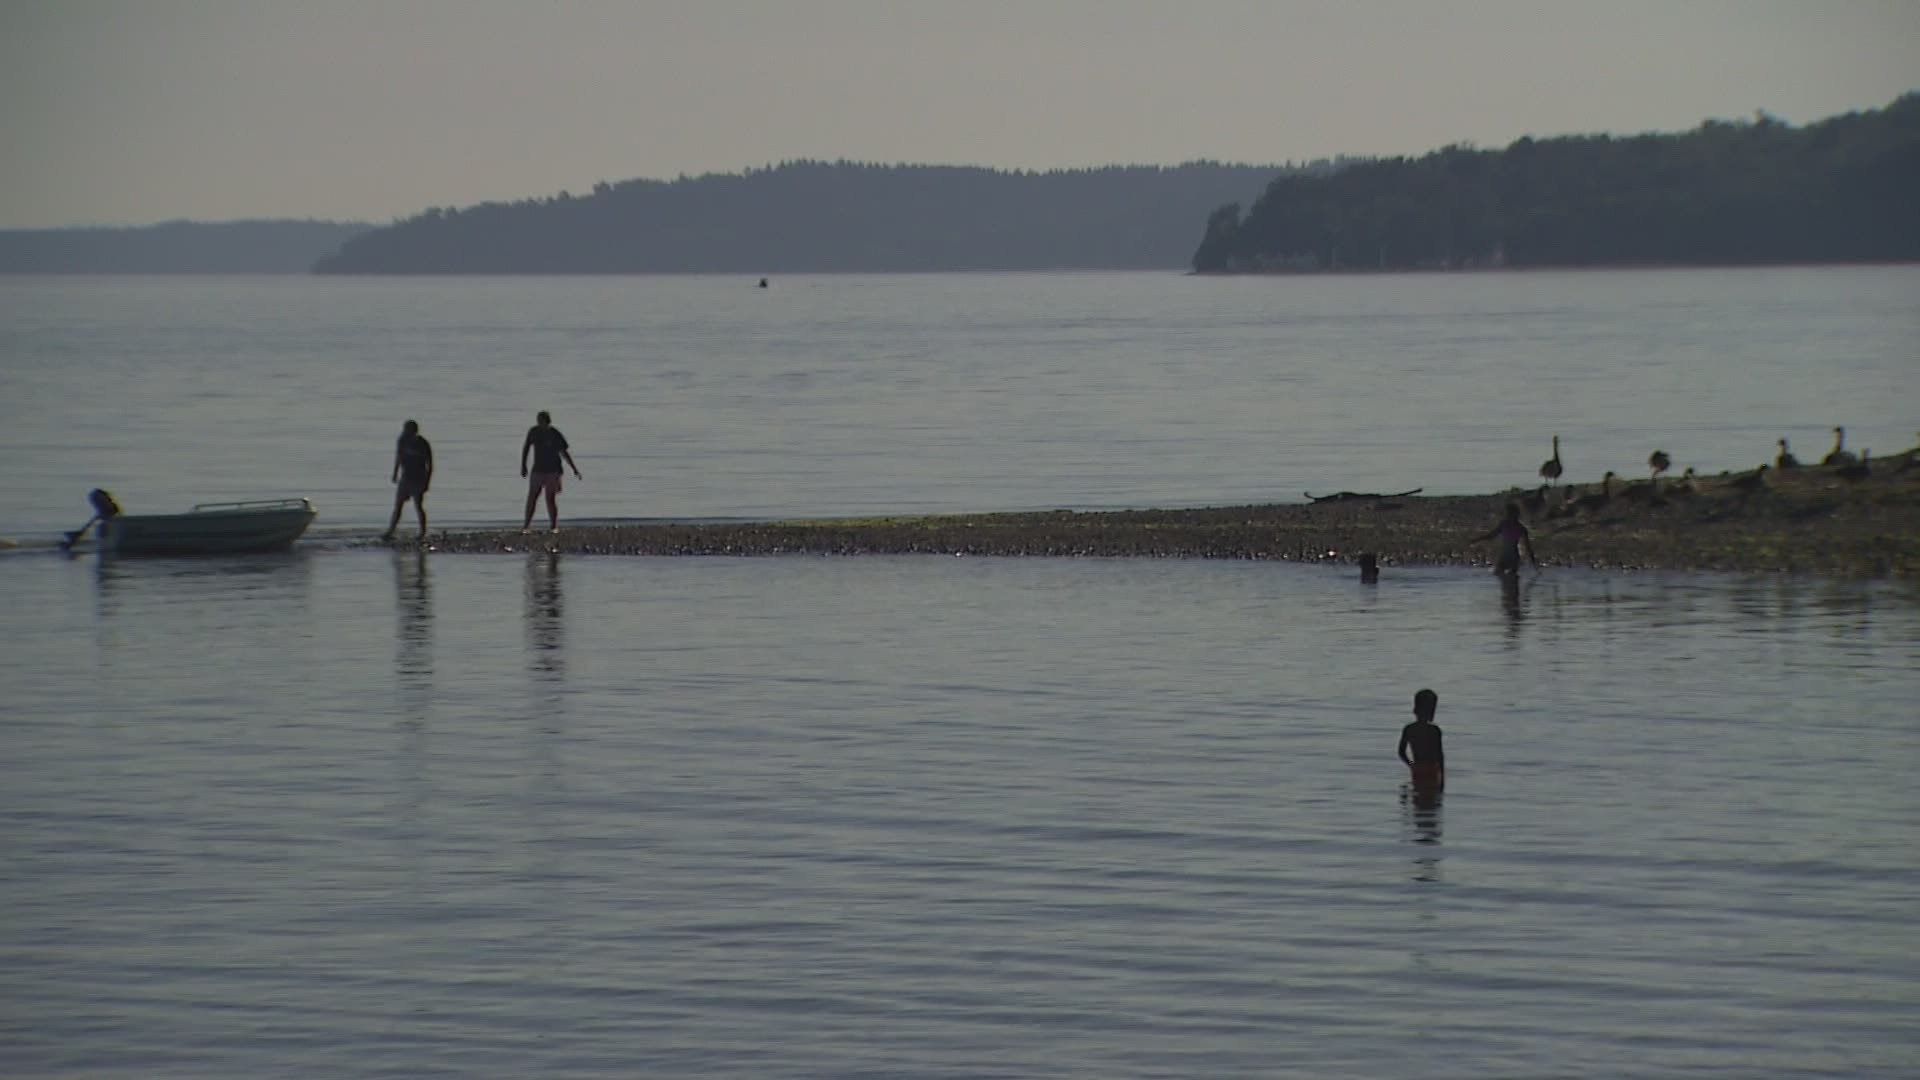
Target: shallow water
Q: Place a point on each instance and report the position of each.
(350, 812)
(356, 812)
(692, 397)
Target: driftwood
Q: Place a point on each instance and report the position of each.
(1343, 496)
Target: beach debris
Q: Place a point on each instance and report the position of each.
(1343, 496)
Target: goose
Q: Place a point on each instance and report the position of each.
(1550, 469)
(1682, 487)
(1785, 460)
(1659, 462)
(1838, 455)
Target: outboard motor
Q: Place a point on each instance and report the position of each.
(103, 503)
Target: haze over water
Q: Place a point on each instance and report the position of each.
(352, 811)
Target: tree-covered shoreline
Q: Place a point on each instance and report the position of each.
(1725, 194)
(284, 246)
(823, 217)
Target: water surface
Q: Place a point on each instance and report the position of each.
(401, 814)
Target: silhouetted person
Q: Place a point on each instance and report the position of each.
(1420, 746)
(1369, 568)
(412, 475)
(1512, 535)
(549, 450)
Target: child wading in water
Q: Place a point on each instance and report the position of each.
(1512, 535)
(1420, 744)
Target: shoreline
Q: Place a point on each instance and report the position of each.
(1807, 521)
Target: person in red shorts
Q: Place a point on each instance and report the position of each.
(549, 449)
(1420, 746)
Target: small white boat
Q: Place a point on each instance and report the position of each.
(208, 529)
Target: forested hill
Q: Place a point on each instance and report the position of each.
(176, 247)
(826, 217)
(1841, 190)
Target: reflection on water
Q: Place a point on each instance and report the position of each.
(1420, 825)
(546, 630)
(121, 585)
(238, 780)
(1513, 598)
(1420, 812)
(413, 604)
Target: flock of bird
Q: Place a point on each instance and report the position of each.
(1843, 463)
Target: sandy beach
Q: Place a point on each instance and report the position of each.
(1807, 520)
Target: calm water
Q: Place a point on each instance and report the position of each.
(354, 812)
(706, 397)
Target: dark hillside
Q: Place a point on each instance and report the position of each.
(1841, 190)
(826, 217)
(176, 247)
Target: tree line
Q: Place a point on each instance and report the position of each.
(1726, 193)
(816, 216)
(175, 247)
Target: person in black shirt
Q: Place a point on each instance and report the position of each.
(1420, 747)
(549, 450)
(413, 474)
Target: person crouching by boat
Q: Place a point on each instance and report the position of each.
(412, 475)
(549, 450)
(1420, 746)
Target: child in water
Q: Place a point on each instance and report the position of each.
(1420, 746)
(1511, 535)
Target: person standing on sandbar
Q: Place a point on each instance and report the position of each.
(549, 450)
(412, 476)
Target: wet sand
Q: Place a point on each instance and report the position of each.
(1808, 520)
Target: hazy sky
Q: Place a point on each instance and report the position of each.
(134, 111)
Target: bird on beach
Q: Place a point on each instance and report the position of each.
(1550, 469)
(1838, 455)
(1857, 471)
(1785, 459)
(1659, 462)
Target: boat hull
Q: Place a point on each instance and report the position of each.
(208, 529)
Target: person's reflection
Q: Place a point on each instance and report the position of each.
(1513, 602)
(413, 601)
(546, 625)
(1421, 814)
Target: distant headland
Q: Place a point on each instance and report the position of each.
(175, 247)
(1724, 194)
(826, 217)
